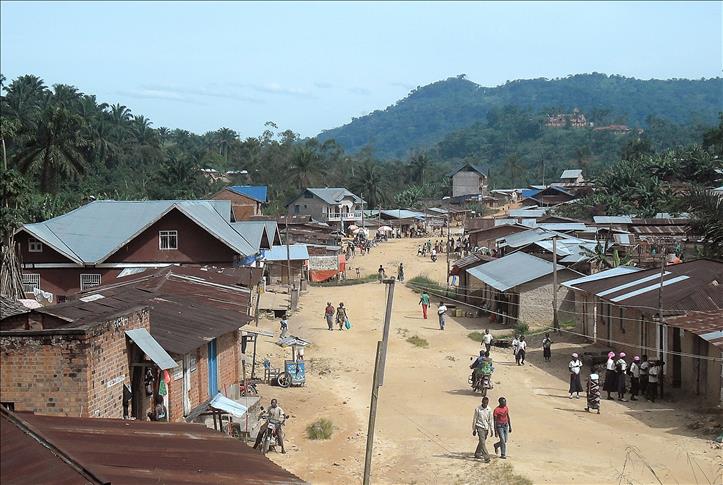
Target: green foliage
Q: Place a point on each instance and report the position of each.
(321, 429)
(419, 283)
(521, 328)
(707, 220)
(476, 336)
(418, 341)
(430, 113)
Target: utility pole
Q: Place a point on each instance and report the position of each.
(381, 358)
(362, 212)
(661, 328)
(555, 321)
(447, 251)
(288, 261)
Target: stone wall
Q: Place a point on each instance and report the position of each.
(536, 301)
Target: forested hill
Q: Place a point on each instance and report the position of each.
(429, 113)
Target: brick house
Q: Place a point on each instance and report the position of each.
(97, 242)
(619, 308)
(519, 287)
(335, 206)
(206, 342)
(469, 179)
(74, 359)
(246, 200)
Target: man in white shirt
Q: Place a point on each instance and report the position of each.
(442, 313)
(481, 426)
(487, 339)
(635, 378)
(276, 414)
(522, 350)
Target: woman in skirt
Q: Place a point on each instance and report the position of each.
(611, 384)
(621, 368)
(575, 366)
(593, 393)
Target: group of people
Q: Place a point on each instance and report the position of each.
(430, 248)
(441, 309)
(342, 318)
(519, 349)
(644, 377)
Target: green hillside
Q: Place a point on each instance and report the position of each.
(429, 113)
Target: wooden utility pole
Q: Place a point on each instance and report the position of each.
(447, 251)
(661, 323)
(555, 321)
(381, 357)
(288, 260)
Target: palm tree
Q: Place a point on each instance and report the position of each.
(23, 97)
(707, 221)
(305, 166)
(164, 134)
(120, 118)
(417, 165)
(178, 176)
(369, 182)
(55, 147)
(512, 164)
(225, 138)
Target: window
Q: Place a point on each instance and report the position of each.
(167, 240)
(34, 246)
(89, 281)
(296, 209)
(30, 282)
(308, 195)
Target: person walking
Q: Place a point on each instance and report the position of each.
(502, 426)
(487, 340)
(546, 347)
(644, 367)
(424, 301)
(442, 314)
(610, 384)
(522, 351)
(575, 366)
(329, 315)
(621, 368)
(593, 393)
(400, 272)
(341, 315)
(380, 272)
(516, 349)
(284, 325)
(634, 378)
(482, 423)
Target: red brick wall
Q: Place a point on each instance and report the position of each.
(48, 255)
(66, 281)
(229, 349)
(195, 245)
(68, 375)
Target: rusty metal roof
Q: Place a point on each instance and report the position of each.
(707, 325)
(470, 261)
(127, 452)
(693, 286)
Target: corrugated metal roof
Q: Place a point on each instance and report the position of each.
(533, 235)
(95, 231)
(403, 214)
(693, 286)
(438, 210)
(334, 195)
(620, 270)
(707, 325)
(512, 270)
(128, 452)
(254, 232)
(278, 253)
(477, 168)
(532, 213)
(255, 192)
(529, 193)
(571, 174)
(612, 219)
(562, 226)
(151, 348)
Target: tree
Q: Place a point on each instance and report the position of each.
(418, 164)
(707, 220)
(179, 177)
(370, 184)
(713, 138)
(305, 166)
(226, 137)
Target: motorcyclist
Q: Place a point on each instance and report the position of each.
(276, 414)
(482, 366)
(434, 254)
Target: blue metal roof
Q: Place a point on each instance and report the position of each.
(278, 253)
(258, 193)
(527, 193)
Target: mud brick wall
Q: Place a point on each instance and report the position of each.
(80, 373)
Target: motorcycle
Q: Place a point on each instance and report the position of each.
(434, 258)
(270, 439)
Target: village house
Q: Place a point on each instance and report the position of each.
(78, 450)
(549, 196)
(572, 176)
(97, 242)
(620, 308)
(247, 201)
(304, 229)
(519, 287)
(488, 237)
(576, 119)
(335, 206)
(469, 179)
(77, 358)
(275, 267)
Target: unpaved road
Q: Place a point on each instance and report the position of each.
(423, 432)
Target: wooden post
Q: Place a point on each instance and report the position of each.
(288, 259)
(378, 381)
(448, 250)
(661, 323)
(555, 321)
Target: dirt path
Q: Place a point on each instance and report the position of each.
(425, 407)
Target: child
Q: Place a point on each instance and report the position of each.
(516, 349)
(593, 393)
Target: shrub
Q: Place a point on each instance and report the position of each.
(418, 341)
(321, 429)
(476, 336)
(521, 328)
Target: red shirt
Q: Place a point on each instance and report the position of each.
(500, 415)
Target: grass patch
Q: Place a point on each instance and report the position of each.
(497, 473)
(476, 336)
(418, 341)
(321, 429)
(347, 282)
(521, 328)
(435, 289)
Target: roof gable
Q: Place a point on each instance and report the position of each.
(469, 168)
(512, 270)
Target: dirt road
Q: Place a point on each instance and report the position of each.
(425, 407)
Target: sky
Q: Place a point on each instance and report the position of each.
(310, 66)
